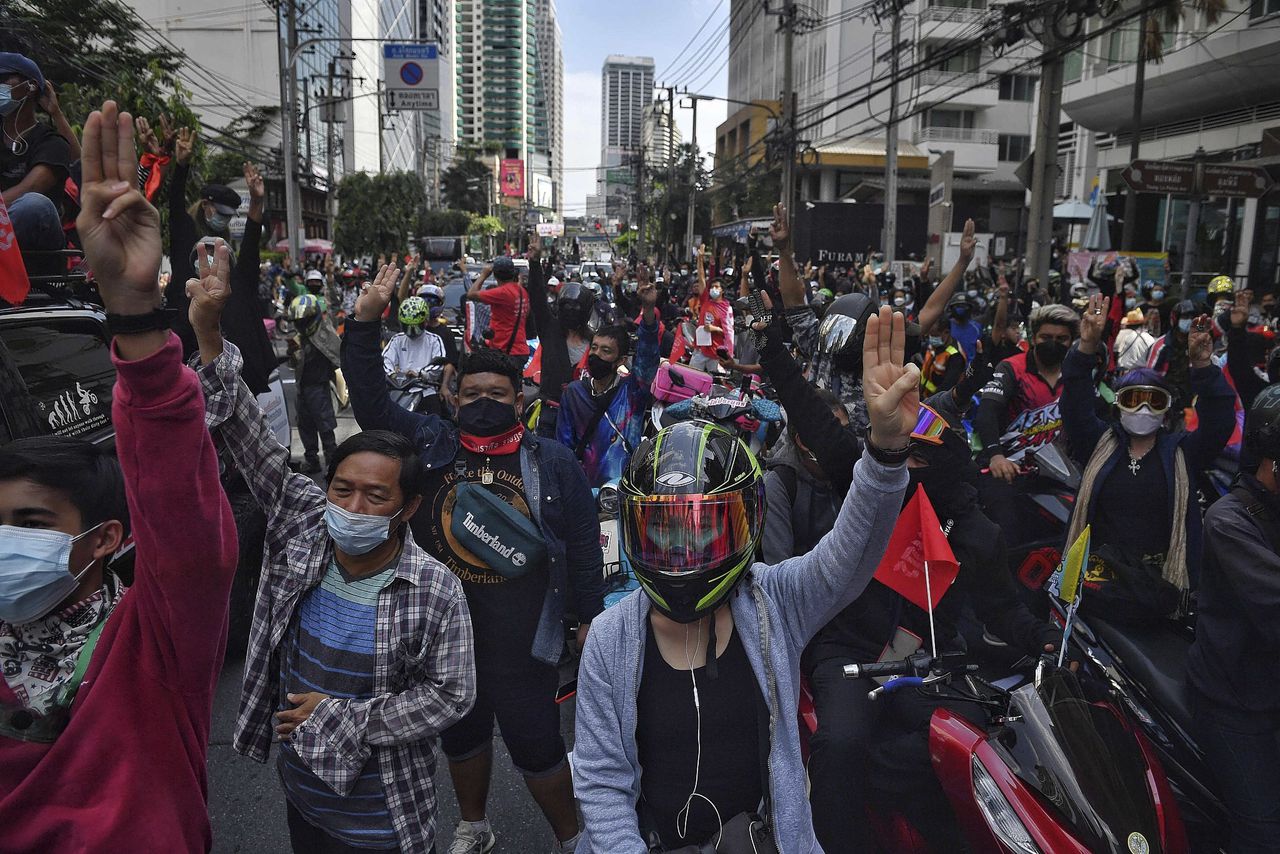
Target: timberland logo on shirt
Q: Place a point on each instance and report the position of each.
(492, 541)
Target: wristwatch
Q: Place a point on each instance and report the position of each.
(895, 457)
(128, 324)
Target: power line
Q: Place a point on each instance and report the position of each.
(692, 39)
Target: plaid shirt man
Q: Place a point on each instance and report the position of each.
(424, 678)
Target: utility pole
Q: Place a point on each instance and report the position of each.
(889, 237)
(382, 146)
(693, 182)
(1044, 164)
(1193, 225)
(287, 31)
(1128, 235)
(786, 23)
(668, 232)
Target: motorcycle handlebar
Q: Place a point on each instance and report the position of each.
(918, 663)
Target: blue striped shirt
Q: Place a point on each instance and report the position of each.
(330, 649)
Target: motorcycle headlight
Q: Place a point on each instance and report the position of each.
(999, 813)
(607, 500)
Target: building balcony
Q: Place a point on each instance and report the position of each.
(948, 23)
(1194, 79)
(958, 88)
(976, 149)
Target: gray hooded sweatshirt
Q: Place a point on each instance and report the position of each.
(776, 610)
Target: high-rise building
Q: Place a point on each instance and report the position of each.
(551, 67)
(626, 88)
(659, 137)
(502, 87)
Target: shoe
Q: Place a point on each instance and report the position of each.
(309, 466)
(466, 840)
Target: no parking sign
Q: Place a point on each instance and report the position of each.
(411, 73)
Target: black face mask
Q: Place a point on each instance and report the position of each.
(599, 368)
(1050, 353)
(570, 315)
(486, 417)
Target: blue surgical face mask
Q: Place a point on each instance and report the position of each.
(35, 573)
(218, 221)
(935, 341)
(1184, 325)
(9, 104)
(1157, 295)
(357, 533)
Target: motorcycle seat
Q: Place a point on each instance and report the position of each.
(1156, 657)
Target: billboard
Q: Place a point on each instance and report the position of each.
(511, 177)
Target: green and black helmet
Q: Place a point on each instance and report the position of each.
(692, 509)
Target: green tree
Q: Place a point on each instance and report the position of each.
(485, 228)
(667, 207)
(379, 213)
(446, 222)
(466, 184)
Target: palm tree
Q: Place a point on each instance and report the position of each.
(1152, 24)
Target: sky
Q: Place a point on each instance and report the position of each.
(658, 28)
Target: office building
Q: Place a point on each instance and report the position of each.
(659, 137)
(551, 66)
(626, 88)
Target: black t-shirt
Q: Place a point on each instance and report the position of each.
(43, 147)
(1133, 508)
(667, 736)
(504, 612)
(316, 367)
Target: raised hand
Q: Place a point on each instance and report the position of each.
(252, 177)
(147, 137)
(1199, 347)
(48, 100)
(891, 388)
(968, 243)
(1240, 308)
(185, 145)
(119, 228)
(167, 134)
(780, 228)
(211, 290)
(1093, 322)
(375, 296)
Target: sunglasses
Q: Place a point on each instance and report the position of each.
(1130, 398)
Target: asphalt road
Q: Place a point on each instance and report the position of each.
(245, 802)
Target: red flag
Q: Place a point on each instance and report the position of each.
(918, 540)
(14, 284)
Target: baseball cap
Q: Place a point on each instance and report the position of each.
(225, 199)
(16, 63)
(504, 269)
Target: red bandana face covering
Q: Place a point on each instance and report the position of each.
(496, 446)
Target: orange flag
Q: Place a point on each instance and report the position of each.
(14, 284)
(917, 545)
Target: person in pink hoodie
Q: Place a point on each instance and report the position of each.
(107, 691)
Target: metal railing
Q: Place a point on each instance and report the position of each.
(962, 79)
(952, 14)
(980, 136)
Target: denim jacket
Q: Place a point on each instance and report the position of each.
(556, 489)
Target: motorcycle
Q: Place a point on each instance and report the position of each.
(1052, 770)
(756, 419)
(1144, 669)
(410, 392)
(1050, 479)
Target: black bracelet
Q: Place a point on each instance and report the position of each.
(894, 457)
(128, 324)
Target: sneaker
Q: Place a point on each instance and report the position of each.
(467, 839)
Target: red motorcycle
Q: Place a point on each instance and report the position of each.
(1051, 770)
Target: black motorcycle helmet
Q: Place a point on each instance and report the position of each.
(844, 325)
(1262, 425)
(692, 509)
(573, 306)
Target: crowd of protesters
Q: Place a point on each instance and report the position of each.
(418, 576)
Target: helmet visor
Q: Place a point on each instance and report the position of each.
(836, 331)
(1131, 397)
(679, 534)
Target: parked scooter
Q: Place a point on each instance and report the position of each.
(1051, 770)
(410, 392)
(1144, 669)
(744, 410)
